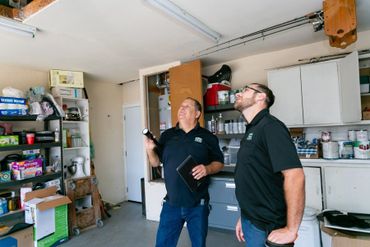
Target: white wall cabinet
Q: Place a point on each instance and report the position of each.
(322, 93)
(347, 188)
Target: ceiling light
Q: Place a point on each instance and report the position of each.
(17, 27)
(172, 9)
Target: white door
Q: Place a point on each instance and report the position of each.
(134, 148)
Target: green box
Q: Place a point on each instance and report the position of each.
(10, 140)
(61, 229)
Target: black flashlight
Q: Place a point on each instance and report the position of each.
(149, 134)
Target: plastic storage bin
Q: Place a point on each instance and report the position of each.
(309, 231)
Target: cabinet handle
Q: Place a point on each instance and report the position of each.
(232, 208)
(230, 185)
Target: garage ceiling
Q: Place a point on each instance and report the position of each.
(111, 40)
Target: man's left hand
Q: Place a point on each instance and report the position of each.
(282, 236)
(199, 171)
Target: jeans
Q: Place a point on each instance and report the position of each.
(172, 220)
(254, 237)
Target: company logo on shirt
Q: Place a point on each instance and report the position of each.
(250, 137)
(198, 139)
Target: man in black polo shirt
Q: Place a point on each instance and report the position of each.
(269, 177)
(181, 204)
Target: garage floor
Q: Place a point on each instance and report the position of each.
(127, 227)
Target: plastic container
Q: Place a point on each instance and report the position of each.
(211, 97)
(233, 151)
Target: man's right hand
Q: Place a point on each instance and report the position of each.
(149, 144)
(239, 231)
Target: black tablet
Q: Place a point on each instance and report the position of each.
(185, 172)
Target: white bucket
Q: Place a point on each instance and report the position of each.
(330, 150)
(309, 230)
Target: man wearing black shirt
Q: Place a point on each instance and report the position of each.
(269, 177)
(181, 204)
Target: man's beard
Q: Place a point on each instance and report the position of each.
(240, 105)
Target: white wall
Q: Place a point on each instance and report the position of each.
(106, 134)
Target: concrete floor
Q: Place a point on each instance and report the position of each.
(127, 227)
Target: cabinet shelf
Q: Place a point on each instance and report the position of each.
(27, 118)
(365, 94)
(30, 146)
(216, 108)
(37, 179)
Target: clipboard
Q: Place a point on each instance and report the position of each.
(184, 170)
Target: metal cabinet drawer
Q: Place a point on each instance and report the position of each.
(223, 215)
(222, 191)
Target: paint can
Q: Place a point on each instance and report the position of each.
(361, 135)
(345, 149)
(352, 135)
(330, 150)
(362, 150)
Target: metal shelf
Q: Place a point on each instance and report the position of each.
(37, 179)
(31, 146)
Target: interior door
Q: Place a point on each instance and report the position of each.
(185, 81)
(134, 148)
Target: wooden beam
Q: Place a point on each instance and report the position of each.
(35, 6)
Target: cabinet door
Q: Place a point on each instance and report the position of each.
(286, 85)
(185, 81)
(347, 189)
(350, 88)
(320, 90)
(313, 187)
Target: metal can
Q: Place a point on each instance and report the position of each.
(352, 135)
(362, 136)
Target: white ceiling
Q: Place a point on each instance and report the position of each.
(111, 40)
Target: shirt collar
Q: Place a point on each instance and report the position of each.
(259, 116)
(197, 126)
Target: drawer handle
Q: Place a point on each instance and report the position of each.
(230, 185)
(232, 208)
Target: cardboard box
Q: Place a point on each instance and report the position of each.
(10, 140)
(48, 212)
(22, 238)
(63, 78)
(334, 238)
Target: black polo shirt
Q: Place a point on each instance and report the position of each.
(265, 150)
(176, 146)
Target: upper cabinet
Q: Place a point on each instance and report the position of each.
(321, 93)
(185, 81)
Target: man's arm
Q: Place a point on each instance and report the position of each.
(201, 170)
(294, 191)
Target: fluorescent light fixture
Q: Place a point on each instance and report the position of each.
(172, 9)
(17, 27)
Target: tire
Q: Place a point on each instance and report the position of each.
(76, 231)
(99, 223)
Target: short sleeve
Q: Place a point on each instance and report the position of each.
(280, 147)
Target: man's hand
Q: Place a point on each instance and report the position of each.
(149, 144)
(239, 231)
(282, 236)
(199, 171)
